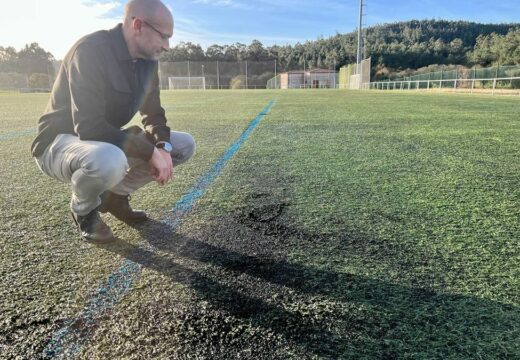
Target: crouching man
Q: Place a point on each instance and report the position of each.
(105, 78)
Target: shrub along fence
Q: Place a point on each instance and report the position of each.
(216, 74)
(13, 81)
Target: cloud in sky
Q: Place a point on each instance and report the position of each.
(188, 29)
(57, 24)
(216, 2)
(54, 24)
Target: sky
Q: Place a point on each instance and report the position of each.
(56, 24)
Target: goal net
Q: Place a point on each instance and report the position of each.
(185, 82)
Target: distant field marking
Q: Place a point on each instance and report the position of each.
(68, 340)
(17, 134)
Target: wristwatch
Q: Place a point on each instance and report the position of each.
(164, 145)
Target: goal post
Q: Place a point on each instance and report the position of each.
(187, 82)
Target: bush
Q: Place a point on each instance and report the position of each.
(260, 80)
(12, 80)
(515, 84)
(238, 82)
(39, 81)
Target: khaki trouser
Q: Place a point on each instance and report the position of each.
(93, 167)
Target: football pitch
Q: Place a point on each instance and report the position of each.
(345, 225)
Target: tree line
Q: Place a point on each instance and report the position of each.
(395, 48)
(496, 49)
(31, 67)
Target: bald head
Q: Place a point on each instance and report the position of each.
(147, 28)
(153, 11)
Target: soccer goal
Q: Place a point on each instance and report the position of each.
(187, 82)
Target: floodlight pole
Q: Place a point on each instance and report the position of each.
(358, 61)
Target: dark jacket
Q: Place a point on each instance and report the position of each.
(99, 88)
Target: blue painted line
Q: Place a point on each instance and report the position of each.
(68, 341)
(17, 134)
(185, 204)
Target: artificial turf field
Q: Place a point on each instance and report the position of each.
(350, 225)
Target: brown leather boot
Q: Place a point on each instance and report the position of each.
(92, 228)
(119, 206)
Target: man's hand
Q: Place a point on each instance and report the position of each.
(161, 167)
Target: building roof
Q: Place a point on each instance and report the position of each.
(322, 71)
(314, 71)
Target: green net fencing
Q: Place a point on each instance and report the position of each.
(352, 76)
(344, 76)
(274, 83)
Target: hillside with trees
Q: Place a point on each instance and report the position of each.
(31, 67)
(393, 47)
(396, 49)
(497, 49)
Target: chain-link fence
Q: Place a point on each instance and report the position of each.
(216, 74)
(37, 79)
(36, 82)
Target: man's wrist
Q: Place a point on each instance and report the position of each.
(164, 145)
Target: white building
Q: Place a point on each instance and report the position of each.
(317, 78)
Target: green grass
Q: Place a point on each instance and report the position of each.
(350, 225)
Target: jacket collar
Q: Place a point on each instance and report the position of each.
(119, 43)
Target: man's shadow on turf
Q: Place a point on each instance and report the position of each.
(314, 335)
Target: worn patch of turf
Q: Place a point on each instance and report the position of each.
(350, 225)
(46, 273)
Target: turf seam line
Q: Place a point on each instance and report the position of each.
(68, 340)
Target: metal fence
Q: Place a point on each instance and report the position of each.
(461, 72)
(37, 82)
(216, 74)
(508, 85)
(494, 80)
(29, 82)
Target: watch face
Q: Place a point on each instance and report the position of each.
(166, 146)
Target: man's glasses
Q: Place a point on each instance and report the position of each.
(161, 34)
